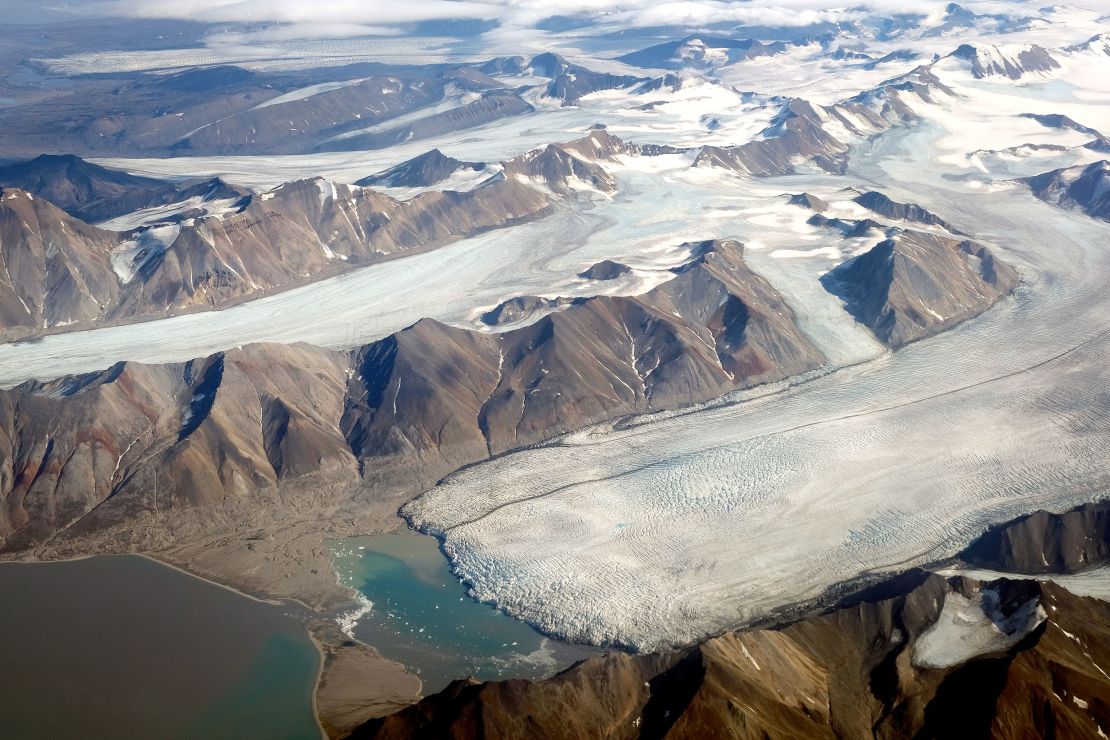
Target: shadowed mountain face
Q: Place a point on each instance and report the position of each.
(1081, 187)
(914, 285)
(1046, 543)
(397, 414)
(93, 193)
(916, 656)
(884, 206)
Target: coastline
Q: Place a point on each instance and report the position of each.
(315, 624)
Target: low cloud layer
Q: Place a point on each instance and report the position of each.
(335, 18)
(516, 13)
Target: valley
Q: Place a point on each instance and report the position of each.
(626, 369)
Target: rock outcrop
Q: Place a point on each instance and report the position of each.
(524, 307)
(605, 270)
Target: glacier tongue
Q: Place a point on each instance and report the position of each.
(665, 530)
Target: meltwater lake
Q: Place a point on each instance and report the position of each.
(422, 616)
(121, 647)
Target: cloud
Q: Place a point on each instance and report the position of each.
(289, 19)
(325, 12)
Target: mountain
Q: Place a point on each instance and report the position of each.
(236, 428)
(1084, 187)
(292, 123)
(308, 228)
(1014, 62)
(1097, 46)
(226, 428)
(568, 81)
(93, 193)
(56, 269)
(1045, 542)
(884, 206)
(559, 170)
(573, 86)
(895, 100)
(821, 135)
(437, 397)
(605, 270)
(922, 656)
(547, 64)
(797, 132)
(298, 231)
(960, 20)
(428, 169)
(914, 285)
(812, 202)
